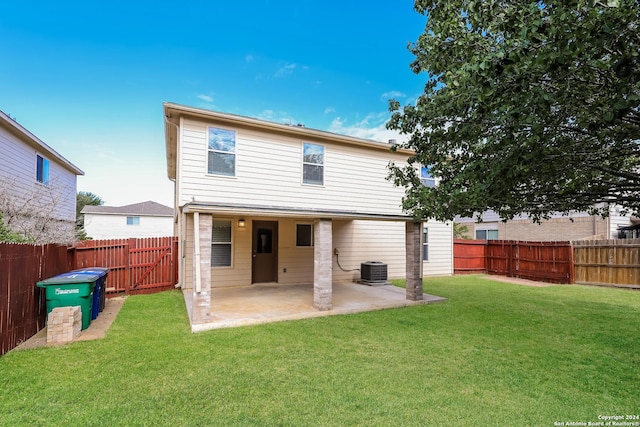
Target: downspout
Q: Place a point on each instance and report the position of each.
(196, 251)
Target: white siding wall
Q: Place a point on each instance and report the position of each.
(18, 175)
(100, 226)
(269, 173)
(440, 260)
(616, 220)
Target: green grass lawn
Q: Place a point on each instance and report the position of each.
(494, 354)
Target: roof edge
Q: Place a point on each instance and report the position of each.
(19, 130)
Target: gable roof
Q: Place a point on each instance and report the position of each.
(28, 138)
(173, 113)
(148, 208)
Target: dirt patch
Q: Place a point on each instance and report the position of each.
(96, 330)
(518, 281)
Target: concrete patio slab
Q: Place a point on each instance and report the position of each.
(257, 304)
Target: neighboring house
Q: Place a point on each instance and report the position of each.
(37, 186)
(577, 226)
(146, 219)
(261, 202)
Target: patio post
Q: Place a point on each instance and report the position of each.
(413, 231)
(202, 228)
(323, 265)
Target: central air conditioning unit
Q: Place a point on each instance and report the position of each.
(373, 273)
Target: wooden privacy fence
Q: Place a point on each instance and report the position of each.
(22, 305)
(136, 266)
(608, 262)
(469, 256)
(541, 261)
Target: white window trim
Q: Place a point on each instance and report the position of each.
(235, 155)
(425, 242)
(233, 236)
(296, 235)
(487, 229)
(323, 164)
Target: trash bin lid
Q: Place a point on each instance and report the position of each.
(67, 278)
(100, 271)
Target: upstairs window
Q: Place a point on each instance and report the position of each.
(313, 164)
(42, 170)
(221, 152)
(425, 177)
(133, 220)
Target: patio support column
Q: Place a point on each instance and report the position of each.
(202, 227)
(413, 231)
(322, 265)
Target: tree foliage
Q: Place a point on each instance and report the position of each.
(84, 198)
(530, 107)
(9, 236)
(460, 231)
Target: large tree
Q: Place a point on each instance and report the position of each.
(530, 107)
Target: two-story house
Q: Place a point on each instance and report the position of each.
(37, 186)
(145, 219)
(261, 202)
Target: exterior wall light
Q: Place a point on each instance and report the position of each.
(241, 223)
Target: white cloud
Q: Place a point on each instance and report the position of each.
(205, 98)
(277, 117)
(329, 110)
(371, 127)
(394, 94)
(286, 70)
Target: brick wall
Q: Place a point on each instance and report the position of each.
(555, 229)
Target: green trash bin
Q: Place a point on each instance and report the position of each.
(71, 289)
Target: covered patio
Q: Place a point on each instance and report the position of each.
(258, 304)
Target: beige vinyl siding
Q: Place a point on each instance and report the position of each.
(269, 173)
(297, 261)
(357, 241)
(239, 274)
(361, 241)
(440, 262)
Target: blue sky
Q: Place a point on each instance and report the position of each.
(89, 77)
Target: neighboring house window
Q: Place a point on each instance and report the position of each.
(42, 170)
(304, 235)
(425, 177)
(313, 164)
(425, 244)
(133, 220)
(221, 243)
(486, 234)
(222, 152)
